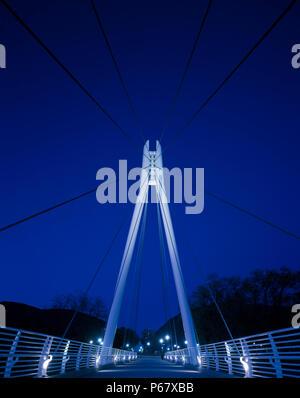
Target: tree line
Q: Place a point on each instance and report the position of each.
(257, 303)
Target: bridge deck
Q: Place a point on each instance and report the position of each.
(148, 368)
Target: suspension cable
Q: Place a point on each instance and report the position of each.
(134, 228)
(202, 106)
(68, 72)
(227, 202)
(208, 287)
(211, 292)
(185, 71)
(271, 224)
(243, 60)
(118, 70)
(96, 273)
(136, 278)
(173, 245)
(46, 210)
(207, 284)
(55, 206)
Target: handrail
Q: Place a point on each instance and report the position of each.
(272, 354)
(25, 353)
(269, 354)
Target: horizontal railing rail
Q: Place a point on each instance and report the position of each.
(270, 354)
(29, 354)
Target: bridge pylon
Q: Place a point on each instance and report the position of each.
(152, 174)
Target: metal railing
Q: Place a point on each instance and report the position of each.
(271, 354)
(30, 354)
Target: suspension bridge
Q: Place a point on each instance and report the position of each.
(272, 354)
(26, 353)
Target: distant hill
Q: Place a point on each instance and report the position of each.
(243, 321)
(53, 321)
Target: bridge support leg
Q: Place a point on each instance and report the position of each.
(187, 320)
(125, 264)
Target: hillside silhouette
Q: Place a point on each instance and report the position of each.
(53, 321)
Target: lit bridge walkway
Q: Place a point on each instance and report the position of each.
(147, 368)
(29, 354)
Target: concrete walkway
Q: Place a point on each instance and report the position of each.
(147, 368)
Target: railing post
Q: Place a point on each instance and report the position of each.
(207, 357)
(45, 358)
(216, 357)
(2, 316)
(89, 356)
(110, 355)
(117, 355)
(11, 360)
(97, 359)
(199, 357)
(228, 358)
(78, 358)
(276, 360)
(65, 358)
(245, 359)
(104, 355)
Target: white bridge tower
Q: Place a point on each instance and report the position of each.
(152, 174)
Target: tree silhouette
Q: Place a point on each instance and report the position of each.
(257, 303)
(125, 336)
(80, 302)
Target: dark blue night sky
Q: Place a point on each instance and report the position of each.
(54, 139)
